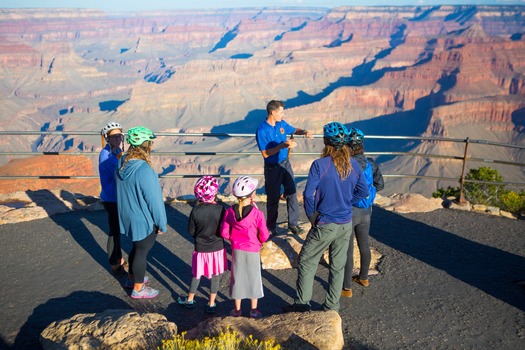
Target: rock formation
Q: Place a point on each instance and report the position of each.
(449, 71)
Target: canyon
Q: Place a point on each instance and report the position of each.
(436, 71)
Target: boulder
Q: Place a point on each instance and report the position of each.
(413, 203)
(111, 329)
(309, 330)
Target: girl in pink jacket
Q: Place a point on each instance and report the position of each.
(244, 226)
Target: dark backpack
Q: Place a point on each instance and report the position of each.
(369, 177)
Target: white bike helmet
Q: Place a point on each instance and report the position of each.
(110, 126)
(244, 186)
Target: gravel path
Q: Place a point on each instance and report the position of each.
(448, 280)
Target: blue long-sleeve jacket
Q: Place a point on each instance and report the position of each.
(107, 163)
(328, 198)
(140, 201)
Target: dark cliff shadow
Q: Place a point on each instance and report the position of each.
(476, 264)
(76, 228)
(62, 308)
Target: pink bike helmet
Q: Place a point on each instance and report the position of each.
(206, 188)
(244, 186)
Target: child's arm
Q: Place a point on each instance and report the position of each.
(225, 226)
(263, 233)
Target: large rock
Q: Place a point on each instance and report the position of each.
(281, 252)
(413, 203)
(111, 329)
(309, 330)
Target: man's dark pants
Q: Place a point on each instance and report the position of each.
(276, 175)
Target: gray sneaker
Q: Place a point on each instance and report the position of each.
(145, 293)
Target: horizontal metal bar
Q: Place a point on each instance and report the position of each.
(210, 134)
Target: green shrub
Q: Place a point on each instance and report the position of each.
(229, 340)
(445, 193)
(481, 193)
(513, 201)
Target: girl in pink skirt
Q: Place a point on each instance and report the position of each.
(209, 257)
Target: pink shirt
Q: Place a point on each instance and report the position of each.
(248, 234)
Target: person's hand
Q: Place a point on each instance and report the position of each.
(290, 143)
(308, 134)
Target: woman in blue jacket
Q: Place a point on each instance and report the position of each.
(334, 183)
(142, 214)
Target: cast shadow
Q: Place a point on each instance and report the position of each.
(62, 308)
(473, 263)
(76, 228)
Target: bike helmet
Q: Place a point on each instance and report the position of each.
(356, 138)
(244, 186)
(137, 135)
(110, 126)
(335, 134)
(206, 188)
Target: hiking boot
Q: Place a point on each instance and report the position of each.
(254, 313)
(357, 280)
(187, 304)
(296, 308)
(129, 284)
(145, 293)
(346, 293)
(296, 230)
(235, 313)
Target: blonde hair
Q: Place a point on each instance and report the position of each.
(341, 159)
(240, 201)
(142, 152)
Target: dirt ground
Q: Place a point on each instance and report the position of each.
(448, 280)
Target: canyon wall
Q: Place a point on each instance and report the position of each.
(447, 71)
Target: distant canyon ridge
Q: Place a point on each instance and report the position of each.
(447, 71)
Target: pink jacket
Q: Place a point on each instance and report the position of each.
(248, 234)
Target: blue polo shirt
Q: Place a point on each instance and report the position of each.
(268, 137)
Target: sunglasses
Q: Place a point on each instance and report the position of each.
(114, 137)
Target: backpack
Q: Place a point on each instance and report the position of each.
(369, 177)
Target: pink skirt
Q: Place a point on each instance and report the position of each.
(209, 264)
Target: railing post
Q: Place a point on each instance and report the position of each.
(461, 199)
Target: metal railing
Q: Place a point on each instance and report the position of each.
(465, 158)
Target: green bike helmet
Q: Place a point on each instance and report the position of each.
(137, 135)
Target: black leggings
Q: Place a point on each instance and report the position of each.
(113, 245)
(361, 224)
(214, 284)
(139, 253)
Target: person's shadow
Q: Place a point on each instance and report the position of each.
(76, 228)
(492, 270)
(62, 308)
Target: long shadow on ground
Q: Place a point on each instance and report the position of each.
(474, 263)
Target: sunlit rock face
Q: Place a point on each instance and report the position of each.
(450, 71)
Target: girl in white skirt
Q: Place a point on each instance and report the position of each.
(244, 226)
(209, 257)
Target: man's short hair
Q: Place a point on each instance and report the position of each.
(273, 105)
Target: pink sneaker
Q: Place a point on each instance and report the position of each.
(254, 313)
(235, 313)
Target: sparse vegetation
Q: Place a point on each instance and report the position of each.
(486, 193)
(446, 193)
(229, 340)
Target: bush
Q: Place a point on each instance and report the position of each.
(445, 193)
(481, 193)
(229, 340)
(513, 201)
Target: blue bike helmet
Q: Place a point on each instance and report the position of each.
(356, 138)
(335, 134)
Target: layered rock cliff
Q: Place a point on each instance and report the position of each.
(450, 71)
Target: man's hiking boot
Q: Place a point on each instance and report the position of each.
(357, 280)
